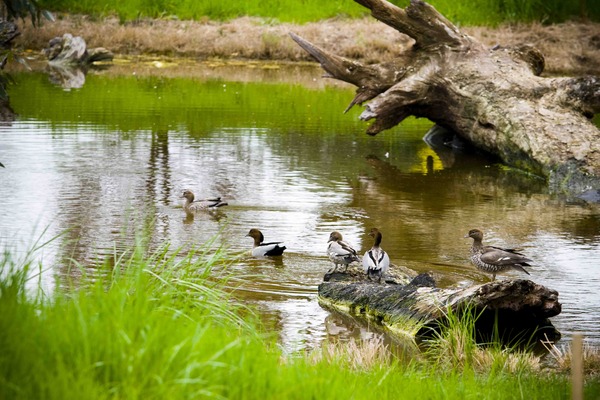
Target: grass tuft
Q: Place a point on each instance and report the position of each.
(355, 355)
(562, 358)
(455, 346)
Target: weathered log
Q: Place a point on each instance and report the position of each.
(69, 59)
(69, 50)
(516, 310)
(494, 97)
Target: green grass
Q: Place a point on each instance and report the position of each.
(160, 326)
(280, 10)
(467, 12)
(182, 101)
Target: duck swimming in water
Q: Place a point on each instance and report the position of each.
(376, 261)
(493, 259)
(340, 252)
(260, 248)
(192, 206)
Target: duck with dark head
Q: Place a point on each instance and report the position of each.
(260, 248)
(376, 261)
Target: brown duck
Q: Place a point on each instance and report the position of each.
(191, 205)
(340, 252)
(491, 259)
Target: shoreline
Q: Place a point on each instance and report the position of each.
(570, 48)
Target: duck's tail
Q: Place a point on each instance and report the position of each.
(520, 268)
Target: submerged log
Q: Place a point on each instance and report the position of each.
(515, 310)
(494, 97)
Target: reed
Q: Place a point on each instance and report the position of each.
(160, 325)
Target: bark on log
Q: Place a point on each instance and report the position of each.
(494, 98)
(520, 308)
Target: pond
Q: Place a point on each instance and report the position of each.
(98, 164)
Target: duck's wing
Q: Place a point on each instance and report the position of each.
(204, 204)
(384, 261)
(334, 248)
(213, 199)
(514, 251)
(347, 248)
(340, 249)
(496, 256)
(367, 261)
(269, 249)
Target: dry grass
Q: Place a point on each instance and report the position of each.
(245, 38)
(456, 349)
(356, 355)
(568, 47)
(562, 359)
(572, 48)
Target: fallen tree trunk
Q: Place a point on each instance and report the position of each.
(494, 97)
(514, 310)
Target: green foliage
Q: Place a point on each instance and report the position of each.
(469, 12)
(138, 326)
(14, 9)
(159, 325)
(494, 12)
(282, 10)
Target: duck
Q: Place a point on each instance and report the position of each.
(492, 260)
(376, 261)
(261, 249)
(192, 206)
(340, 252)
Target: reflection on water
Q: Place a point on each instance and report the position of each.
(100, 164)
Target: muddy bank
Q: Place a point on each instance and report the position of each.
(570, 48)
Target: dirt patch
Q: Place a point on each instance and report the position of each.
(570, 48)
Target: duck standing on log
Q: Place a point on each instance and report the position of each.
(261, 249)
(340, 252)
(191, 206)
(491, 259)
(376, 261)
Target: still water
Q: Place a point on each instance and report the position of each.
(97, 164)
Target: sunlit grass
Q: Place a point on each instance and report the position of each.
(160, 325)
(471, 12)
(280, 10)
(151, 325)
